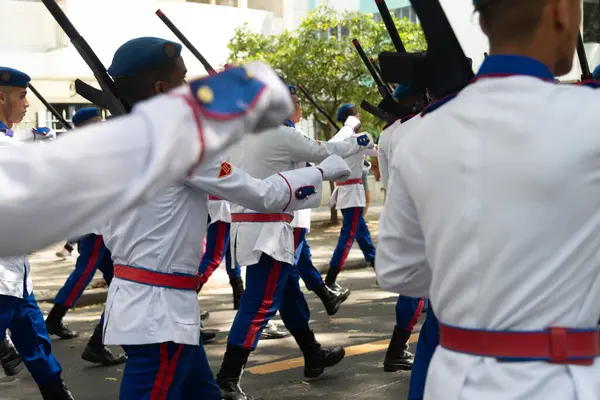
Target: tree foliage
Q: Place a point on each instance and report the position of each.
(320, 56)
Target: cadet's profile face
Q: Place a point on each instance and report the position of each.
(567, 14)
(13, 103)
(297, 116)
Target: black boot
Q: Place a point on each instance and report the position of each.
(56, 391)
(331, 299)
(11, 361)
(96, 352)
(206, 336)
(316, 357)
(204, 315)
(55, 325)
(237, 284)
(397, 357)
(230, 373)
(330, 281)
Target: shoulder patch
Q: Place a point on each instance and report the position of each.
(363, 140)
(227, 95)
(225, 170)
(41, 131)
(305, 192)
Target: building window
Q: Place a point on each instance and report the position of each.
(400, 13)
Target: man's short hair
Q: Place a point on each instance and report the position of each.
(511, 20)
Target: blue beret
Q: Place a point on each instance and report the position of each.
(401, 92)
(12, 77)
(84, 115)
(142, 54)
(596, 73)
(342, 109)
(293, 90)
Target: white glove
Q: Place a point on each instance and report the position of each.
(334, 168)
(352, 122)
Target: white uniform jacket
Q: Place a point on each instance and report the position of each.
(165, 235)
(15, 277)
(383, 148)
(106, 168)
(496, 217)
(352, 195)
(301, 217)
(279, 149)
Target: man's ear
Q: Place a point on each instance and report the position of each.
(159, 87)
(3, 95)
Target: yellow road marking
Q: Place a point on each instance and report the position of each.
(357, 350)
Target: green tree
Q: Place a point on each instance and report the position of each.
(320, 56)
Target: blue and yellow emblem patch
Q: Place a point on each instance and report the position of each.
(305, 192)
(363, 140)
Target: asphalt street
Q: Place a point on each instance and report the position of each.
(363, 326)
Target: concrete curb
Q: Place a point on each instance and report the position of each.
(97, 296)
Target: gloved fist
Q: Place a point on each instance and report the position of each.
(352, 122)
(334, 168)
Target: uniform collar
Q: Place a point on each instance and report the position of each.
(509, 65)
(289, 123)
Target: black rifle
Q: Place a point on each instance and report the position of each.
(117, 104)
(386, 16)
(319, 109)
(586, 74)
(378, 70)
(186, 42)
(52, 110)
(377, 112)
(443, 69)
(381, 86)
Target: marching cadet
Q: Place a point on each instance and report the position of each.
(93, 255)
(19, 310)
(349, 196)
(408, 309)
(152, 307)
(265, 244)
(108, 168)
(331, 299)
(504, 236)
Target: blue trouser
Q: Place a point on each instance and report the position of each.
(93, 255)
(29, 334)
(168, 371)
(354, 226)
(408, 311)
(429, 338)
(270, 286)
(217, 245)
(309, 274)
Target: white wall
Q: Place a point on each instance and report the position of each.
(26, 26)
(341, 5)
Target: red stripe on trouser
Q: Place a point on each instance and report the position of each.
(89, 269)
(415, 318)
(297, 233)
(170, 373)
(350, 240)
(217, 255)
(162, 372)
(264, 306)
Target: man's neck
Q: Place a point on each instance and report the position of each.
(535, 50)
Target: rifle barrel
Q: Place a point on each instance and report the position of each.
(185, 41)
(52, 110)
(386, 16)
(583, 61)
(383, 89)
(119, 105)
(315, 105)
